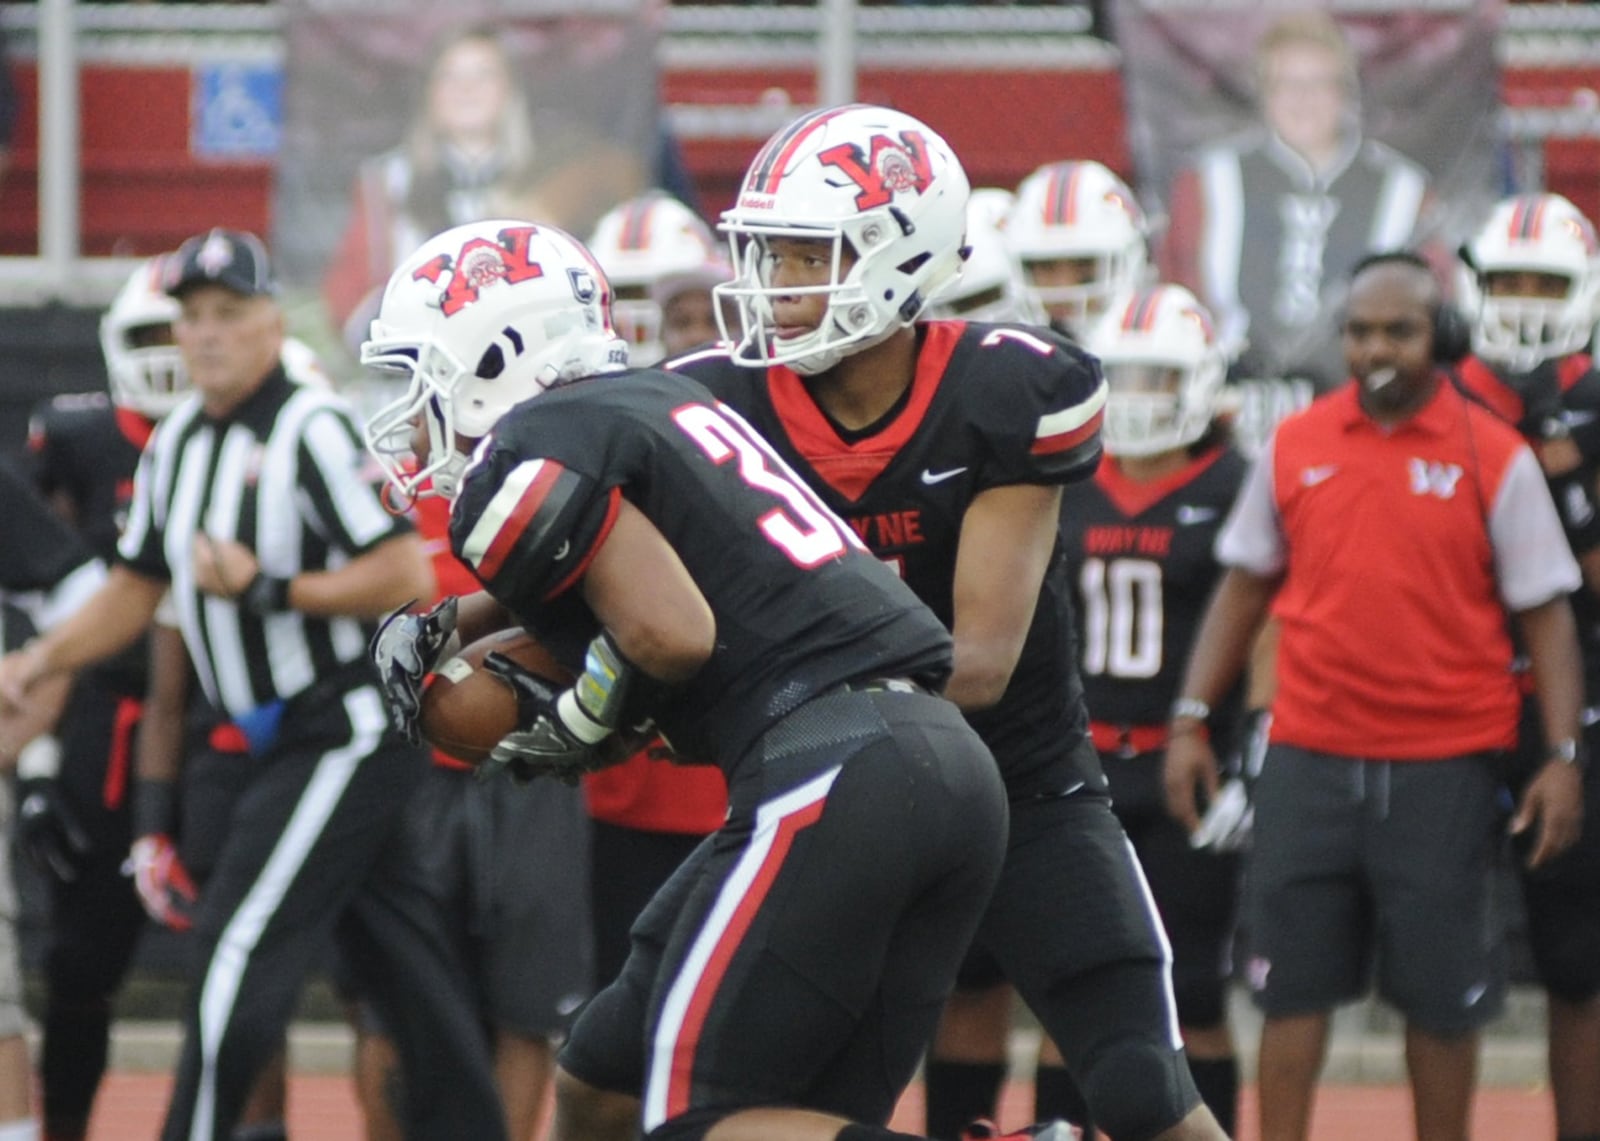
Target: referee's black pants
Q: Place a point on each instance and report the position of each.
(316, 847)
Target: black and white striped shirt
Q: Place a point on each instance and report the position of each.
(284, 474)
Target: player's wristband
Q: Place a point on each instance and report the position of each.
(266, 594)
(612, 693)
(1190, 709)
(154, 808)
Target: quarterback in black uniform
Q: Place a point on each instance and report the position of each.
(945, 446)
(1532, 300)
(786, 979)
(1138, 541)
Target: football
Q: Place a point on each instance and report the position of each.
(467, 709)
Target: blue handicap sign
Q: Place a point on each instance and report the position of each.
(238, 110)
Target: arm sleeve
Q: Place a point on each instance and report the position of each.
(529, 526)
(1252, 537)
(1042, 417)
(1533, 562)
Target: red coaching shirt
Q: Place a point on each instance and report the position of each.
(1402, 550)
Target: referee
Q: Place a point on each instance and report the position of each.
(250, 503)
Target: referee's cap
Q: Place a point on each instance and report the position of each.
(233, 259)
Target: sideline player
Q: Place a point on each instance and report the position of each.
(1138, 541)
(945, 446)
(1532, 297)
(785, 981)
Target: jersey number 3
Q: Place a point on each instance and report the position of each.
(803, 528)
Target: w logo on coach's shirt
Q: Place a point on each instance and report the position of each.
(1433, 478)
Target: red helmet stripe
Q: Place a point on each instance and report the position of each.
(770, 165)
(1061, 197)
(1527, 217)
(1140, 316)
(636, 226)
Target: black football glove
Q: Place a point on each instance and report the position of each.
(545, 743)
(1540, 389)
(49, 833)
(405, 649)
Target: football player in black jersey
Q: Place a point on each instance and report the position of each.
(1138, 541)
(785, 980)
(945, 445)
(1532, 296)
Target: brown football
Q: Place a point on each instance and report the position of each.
(466, 709)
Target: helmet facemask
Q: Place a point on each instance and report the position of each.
(883, 194)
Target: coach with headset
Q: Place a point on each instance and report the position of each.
(1390, 528)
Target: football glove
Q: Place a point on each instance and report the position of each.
(1230, 817)
(546, 743)
(162, 881)
(49, 833)
(405, 650)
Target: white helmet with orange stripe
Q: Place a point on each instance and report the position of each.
(143, 363)
(1164, 370)
(1533, 284)
(1081, 238)
(481, 318)
(883, 189)
(641, 243)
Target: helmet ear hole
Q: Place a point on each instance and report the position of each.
(491, 364)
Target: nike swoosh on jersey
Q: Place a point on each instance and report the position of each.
(1312, 476)
(931, 477)
(1189, 515)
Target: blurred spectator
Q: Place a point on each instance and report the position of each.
(1265, 232)
(474, 150)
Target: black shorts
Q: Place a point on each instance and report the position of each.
(1361, 864)
(1562, 898)
(801, 956)
(509, 865)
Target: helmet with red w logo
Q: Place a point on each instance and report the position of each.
(641, 243)
(481, 318)
(1080, 236)
(1164, 370)
(1533, 283)
(143, 363)
(883, 193)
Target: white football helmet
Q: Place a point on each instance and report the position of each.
(1537, 233)
(868, 179)
(1072, 210)
(1163, 367)
(481, 318)
(641, 243)
(990, 287)
(143, 364)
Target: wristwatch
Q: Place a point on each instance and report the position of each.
(1569, 752)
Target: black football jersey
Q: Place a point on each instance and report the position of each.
(801, 606)
(42, 549)
(990, 405)
(85, 449)
(1141, 561)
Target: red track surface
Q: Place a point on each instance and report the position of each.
(322, 1108)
